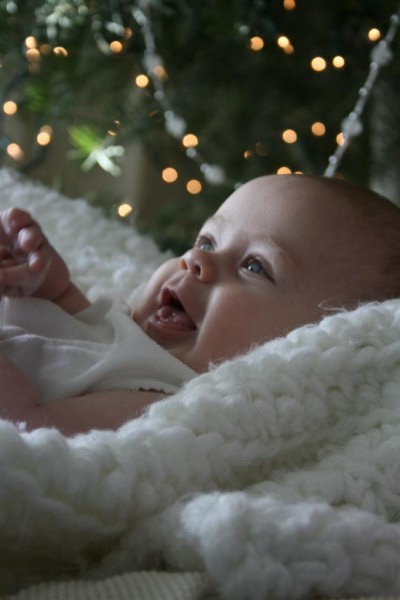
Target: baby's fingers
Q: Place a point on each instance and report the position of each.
(13, 220)
(30, 238)
(20, 280)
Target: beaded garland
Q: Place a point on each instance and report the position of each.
(352, 126)
(175, 125)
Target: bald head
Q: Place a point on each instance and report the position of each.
(373, 223)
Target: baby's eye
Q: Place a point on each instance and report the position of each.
(204, 243)
(254, 265)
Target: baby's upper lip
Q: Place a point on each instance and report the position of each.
(170, 296)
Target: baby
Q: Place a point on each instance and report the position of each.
(279, 253)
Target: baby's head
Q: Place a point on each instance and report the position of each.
(279, 253)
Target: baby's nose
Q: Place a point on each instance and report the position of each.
(200, 263)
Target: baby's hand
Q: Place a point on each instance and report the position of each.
(24, 254)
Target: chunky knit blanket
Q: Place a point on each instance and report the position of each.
(275, 475)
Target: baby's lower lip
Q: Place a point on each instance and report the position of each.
(171, 319)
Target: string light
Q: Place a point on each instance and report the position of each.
(194, 186)
(60, 51)
(15, 151)
(374, 34)
(318, 64)
(256, 43)
(283, 41)
(381, 55)
(10, 108)
(190, 140)
(113, 131)
(45, 49)
(289, 4)
(124, 209)
(318, 128)
(32, 54)
(340, 139)
(43, 138)
(142, 81)
(289, 136)
(288, 49)
(169, 175)
(116, 46)
(338, 62)
(31, 42)
(160, 72)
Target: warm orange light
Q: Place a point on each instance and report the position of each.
(160, 72)
(116, 46)
(288, 49)
(60, 51)
(318, 64)
(283, 41)
(283, 171)
(10, 107)
(338, 62)
(43, 138)
(374, 34)
(45, 49)
(194, 186)
(30, 42)
(124, 209)
(15, 151)
(33, 54)
(256, 43)
(169, 175)
(289, 136)
(340, 139)
(190, 140)
(142, 81)
(289, 4)
(318, 128)
(247, 154)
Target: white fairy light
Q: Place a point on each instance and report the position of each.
(352, 126)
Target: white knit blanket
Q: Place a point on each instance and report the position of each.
(277, 474)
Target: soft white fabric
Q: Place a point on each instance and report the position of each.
(150, 585)
(98, 349)
(277, 474)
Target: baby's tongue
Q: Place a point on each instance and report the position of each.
(176, 317)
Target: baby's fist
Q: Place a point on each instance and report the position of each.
(24, 256)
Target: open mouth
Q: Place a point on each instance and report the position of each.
(172, 313)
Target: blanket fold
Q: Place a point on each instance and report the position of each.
(277, 473)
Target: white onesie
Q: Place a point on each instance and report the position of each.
(100, 348)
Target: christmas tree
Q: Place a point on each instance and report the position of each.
(215, 93)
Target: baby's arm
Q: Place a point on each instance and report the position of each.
(30, 265)
(17, 393)
(100, 410)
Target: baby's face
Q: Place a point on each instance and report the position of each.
(260, 267)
